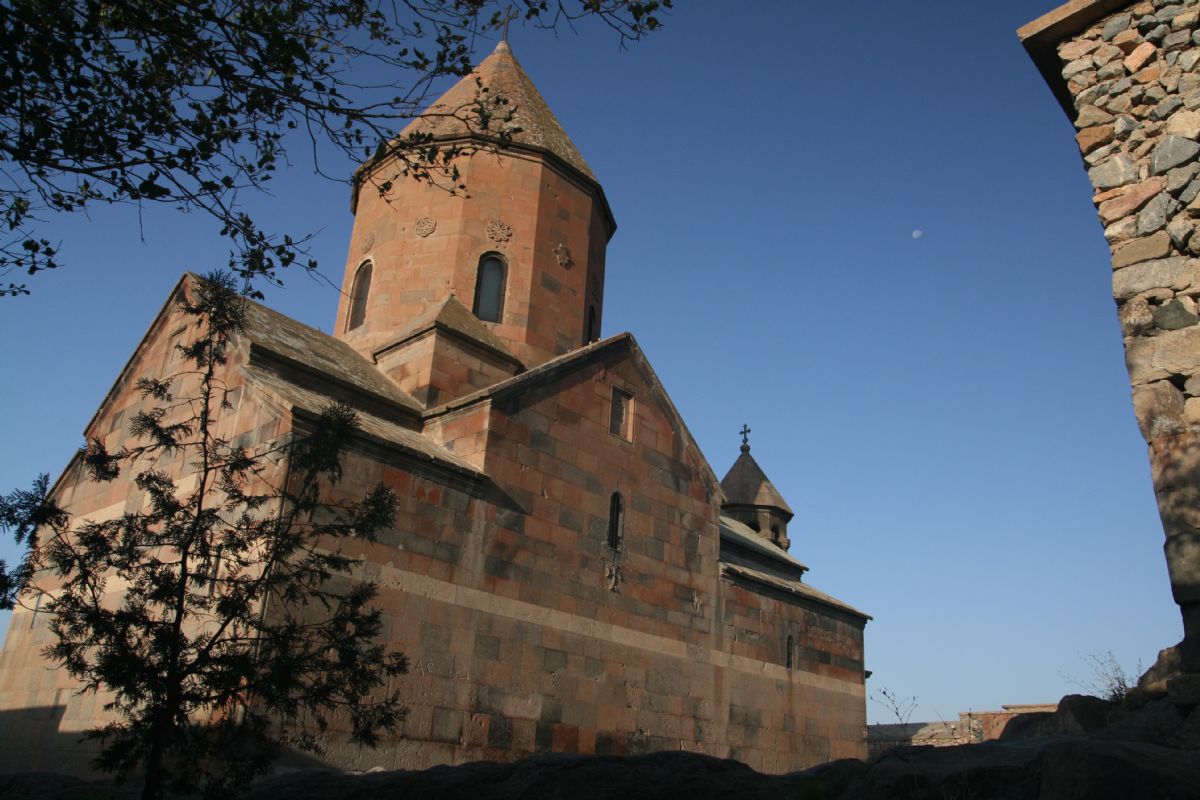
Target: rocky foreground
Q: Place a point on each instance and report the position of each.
(1045, 767)
(1147, 747)
(1054, 767)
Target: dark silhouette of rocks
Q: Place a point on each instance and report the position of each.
(1146, 747)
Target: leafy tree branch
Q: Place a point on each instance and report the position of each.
(191, 103)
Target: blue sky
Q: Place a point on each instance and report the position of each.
(948, 414)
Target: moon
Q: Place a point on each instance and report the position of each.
(917, 234)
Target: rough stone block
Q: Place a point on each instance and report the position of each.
(554, 660)
(1116, 25)
(1154, 215)
(1127, 40)
(1173, 315)
(447, 725)
(487, 647)
(1139, 56)
(1184, 20)
(1190, 192)
(1179, 230)
(1178, 273)
(1121, 230)
(434, 638)
(1166, 107)
(1157, 357)
(1182, 176)
(500, 732)
(1183, 565)
(1106, 53)
(1176, 40)
(743, 715)
(551, 710)
(1168, 154)
(1090, 116)
(1115, 172)
(1132, 200)
(1079, 48)
(1077, 66)
(1158, 407)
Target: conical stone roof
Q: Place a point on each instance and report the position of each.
(500, 74)
(747, 485)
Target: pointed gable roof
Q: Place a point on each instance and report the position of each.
(500, 74)
(523, 384)
(289, 341)
(453, 317)
(747, 485)
(319, 353)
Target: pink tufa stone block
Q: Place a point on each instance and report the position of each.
(1140, 55)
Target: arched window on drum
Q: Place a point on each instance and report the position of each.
(489, 288)
(358, 296)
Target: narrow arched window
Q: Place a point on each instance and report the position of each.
(616, 521)
(358, 296)
(788, 655)
(489, 288)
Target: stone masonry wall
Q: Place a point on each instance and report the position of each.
(1134, 77)
(426, 245)
(525, 631)
(42, 714)
(528, 634)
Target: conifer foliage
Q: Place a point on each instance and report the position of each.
(218, 614)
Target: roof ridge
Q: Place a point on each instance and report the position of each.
(451, 315)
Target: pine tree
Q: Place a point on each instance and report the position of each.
(240, 627)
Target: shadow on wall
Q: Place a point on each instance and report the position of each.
(30, 741)
(31, 736)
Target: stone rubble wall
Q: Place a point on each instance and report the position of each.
(1135, 80)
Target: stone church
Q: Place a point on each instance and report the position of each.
(566, 572)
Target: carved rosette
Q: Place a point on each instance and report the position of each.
(425, 226)
(497, 231)
(613, 576)
(368, 242)
(563, 255)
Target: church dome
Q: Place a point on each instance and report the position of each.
(751, 498)
(532, 122)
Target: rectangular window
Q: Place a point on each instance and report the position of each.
(620, 420)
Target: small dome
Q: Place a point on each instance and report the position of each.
(746, 485)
